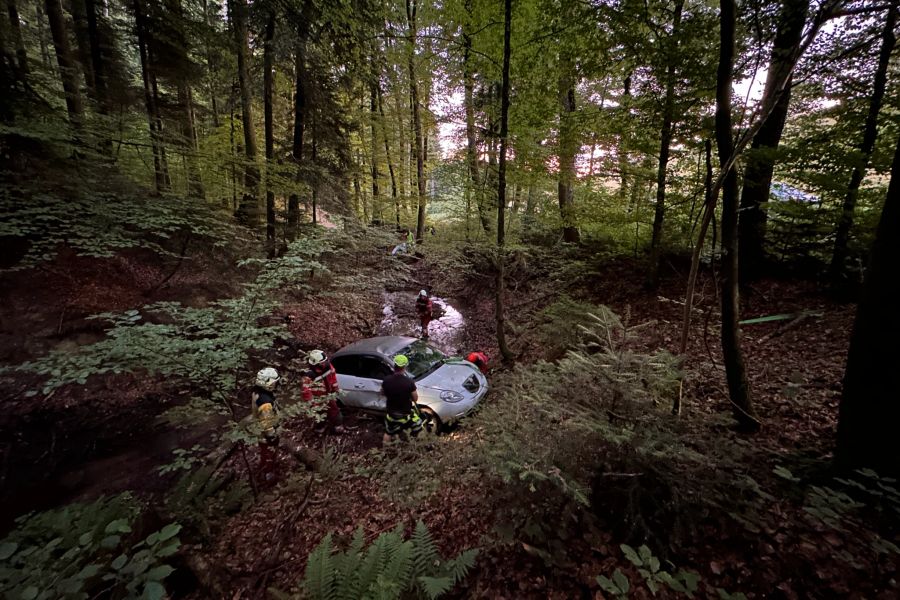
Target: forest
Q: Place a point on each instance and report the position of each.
(558, 298)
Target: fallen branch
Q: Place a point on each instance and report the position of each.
(787, 326)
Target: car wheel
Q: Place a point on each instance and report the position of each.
(433, 425)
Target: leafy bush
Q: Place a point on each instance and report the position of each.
(86, 550)
(564, 325)
(98, 219)
(208, 346)
(591, 437)
(390, 568)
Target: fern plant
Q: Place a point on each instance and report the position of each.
(85, 551)
(390, 568)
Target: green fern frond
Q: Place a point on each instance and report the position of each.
(425, 553)
(319, 577)
(460, 566)
(435, 587)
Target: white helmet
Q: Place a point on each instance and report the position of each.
(423, 293)
(267, 378)
(315, 357)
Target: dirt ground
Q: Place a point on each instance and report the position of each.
(105, 437)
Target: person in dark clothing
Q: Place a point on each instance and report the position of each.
(320, 381)
(425, 310)
(400, 391)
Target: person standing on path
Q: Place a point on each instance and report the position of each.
(400, 391)
(320, 381)
(265, 411)
(425, 310)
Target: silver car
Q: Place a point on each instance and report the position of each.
(449, 388)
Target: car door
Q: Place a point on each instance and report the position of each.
(367, 386)
(347, 368)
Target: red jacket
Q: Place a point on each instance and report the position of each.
(320, 380)
(480, 360)
(424, 307)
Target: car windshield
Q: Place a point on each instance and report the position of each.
(423, 359)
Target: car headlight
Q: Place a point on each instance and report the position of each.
(451, 396)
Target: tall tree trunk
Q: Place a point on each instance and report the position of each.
(16, 27)
(387, 153)
(315, 185)
(735, 370)
(83, 44)
(188, 134)
(299, 127)
(373, 115)
(417, 121)
(249, 210)
(870, 402)
(211, 68)
(501, 185)
(160, 169)
(622, 150)
(42, 34)
(870, 134)
(568, 147)
(760, 162)
(268, 88)
(160, 127)
(68, 70)
(528, 219)
(665, 141)
(471, 141)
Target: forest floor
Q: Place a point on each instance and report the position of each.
(108, 437)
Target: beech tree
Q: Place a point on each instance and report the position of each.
(870, 400)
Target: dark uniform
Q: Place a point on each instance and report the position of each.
(402, 415)
(266, 412)
(425, 310)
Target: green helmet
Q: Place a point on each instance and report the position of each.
(401, 360)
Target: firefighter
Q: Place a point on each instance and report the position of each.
(479, 359)
(319, 381)
(401, 394)
(265, 411)
(425, 310)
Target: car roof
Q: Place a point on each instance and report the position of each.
(386, 346)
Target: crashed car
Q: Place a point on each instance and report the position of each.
(449, 388)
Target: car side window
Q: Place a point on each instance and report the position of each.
(346, 365)
(373, 368)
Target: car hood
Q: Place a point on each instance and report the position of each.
(449, 376)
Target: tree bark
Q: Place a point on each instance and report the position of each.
(760, 163)
(622, 150)
(501, 186)
(665, 141)
(735, 369)
(249, 211)
(68, 70)
(83, 44)
(185, 101)
(373, 115)
(268, 88)
(211, 67)
(160, 170)
(870, 402)
(870, 135)
(299, 125)
(387, 153)
(417, 122)
(469, 105)
(16, 26)
(568, 147)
